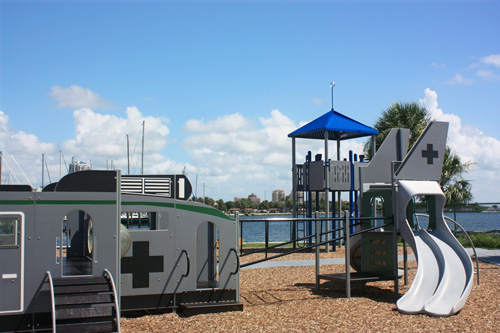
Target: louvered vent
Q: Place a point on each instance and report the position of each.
(145, 185)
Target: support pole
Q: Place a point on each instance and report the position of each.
(327, 192)
(294, 195)
(318, 262)
(347, 255)
(1, 153)
(339, 199)
(294, 181)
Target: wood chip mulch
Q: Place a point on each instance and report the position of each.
(285, 299)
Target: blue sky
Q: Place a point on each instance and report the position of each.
(221, 83)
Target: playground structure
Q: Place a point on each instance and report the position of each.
(97, 243)
(382, 189)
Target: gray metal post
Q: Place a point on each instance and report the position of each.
(339, 199)
(294, 181)
(373, 145)
(317, 238)
(405, 257)
(1, 153)
(347, 255)
(395, 230)
(327, 192)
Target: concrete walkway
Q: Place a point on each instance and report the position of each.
(490, 256)
(310, 262)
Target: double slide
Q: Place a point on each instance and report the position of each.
(445, 272)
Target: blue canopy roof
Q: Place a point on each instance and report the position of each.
(338, 126)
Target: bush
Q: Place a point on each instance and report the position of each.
(481, 239)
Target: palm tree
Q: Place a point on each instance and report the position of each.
(400, 115)
(416, 117)
(456, 189)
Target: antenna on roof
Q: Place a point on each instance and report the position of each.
(332, 84)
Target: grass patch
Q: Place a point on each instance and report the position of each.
(481, 239)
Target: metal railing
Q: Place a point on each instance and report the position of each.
(52, 300)
(466, 235)
(115, 296)
(352, 222)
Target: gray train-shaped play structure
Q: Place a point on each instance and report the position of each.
(68, 260)
(97, 243)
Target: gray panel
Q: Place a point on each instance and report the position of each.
(317, 176)
(12, 259)
(394, 148)
(340, 175)
(425, 159)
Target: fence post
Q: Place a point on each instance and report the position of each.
(267, 235)
(347, 254)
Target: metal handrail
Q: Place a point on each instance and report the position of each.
(188, 263)
(52, 299)
(237, 261)
(466, 235)
(117, 307)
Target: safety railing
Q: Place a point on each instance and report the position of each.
(52, 299)
(466, 235)
(108, 274)
(352, 223)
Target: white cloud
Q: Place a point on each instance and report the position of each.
(437, 65)
(487, 75)
(459, 79)
(77, 97)
(98, 138)
(493, 59)
(470, 144)
(237, 155)
(317, 101)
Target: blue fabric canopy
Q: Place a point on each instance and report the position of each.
(338, 126)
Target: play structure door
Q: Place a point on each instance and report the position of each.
(11, 261)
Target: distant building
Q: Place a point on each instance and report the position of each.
(254, 198)
(78, 166)
(278, 195)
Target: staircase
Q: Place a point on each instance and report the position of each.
(85, 304)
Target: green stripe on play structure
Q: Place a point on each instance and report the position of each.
(76, 202)
(203, 210)
(153, 204)
(16, 202)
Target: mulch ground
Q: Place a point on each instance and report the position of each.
(285, 299)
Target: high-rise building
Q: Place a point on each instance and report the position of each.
(278, 195)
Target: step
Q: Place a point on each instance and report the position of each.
(83, 288)
(93, 298)
(104, 326)
(191, 309)
(85, 312)
(79, 280)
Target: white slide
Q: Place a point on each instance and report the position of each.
(445, 272)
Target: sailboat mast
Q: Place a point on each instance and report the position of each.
(142, 155)
(128, 156)
(43, 165)
(1, 153)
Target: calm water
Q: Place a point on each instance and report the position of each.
(281, 231)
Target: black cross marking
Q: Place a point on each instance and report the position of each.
(141, 264)
(430, 153)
